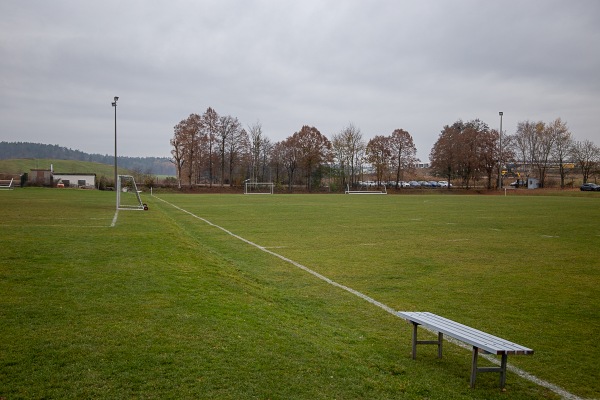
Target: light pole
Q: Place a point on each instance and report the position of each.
(500, 154)
(114, 104)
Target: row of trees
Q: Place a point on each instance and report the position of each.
(212, 150)
(470, 151)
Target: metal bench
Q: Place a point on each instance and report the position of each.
(481, 341)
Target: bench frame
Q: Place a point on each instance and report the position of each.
(481, 341)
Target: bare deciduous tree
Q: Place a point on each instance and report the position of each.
(290, 154)
(404, 153)
(464, 150)
(379, 155)
(178, 153)
(228, 126)
(185, 142)
(563, 143)
(260, 149)
(210, 124)
(348, 148)
(238, 147)
(315, 149)
(587, 156)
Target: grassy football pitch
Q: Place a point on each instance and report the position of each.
(166, 305)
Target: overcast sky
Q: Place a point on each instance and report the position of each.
(380, 65)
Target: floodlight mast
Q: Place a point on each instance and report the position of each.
(500, 154)
(114, 104)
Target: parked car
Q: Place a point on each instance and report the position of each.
(424, 184)
(519, 183)
(589, 187)
(434, 184)
(444, 184)
(404, 184)
(414, 184)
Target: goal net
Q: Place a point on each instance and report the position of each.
(128, 195)
(258, 188)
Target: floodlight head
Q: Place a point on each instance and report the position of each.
(501, 113)
(114, 104)
(116, 98)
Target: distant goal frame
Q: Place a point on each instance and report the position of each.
(132, 186)
(7, 184)
(267, 187)
(348, 191)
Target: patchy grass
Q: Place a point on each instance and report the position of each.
(165, 305)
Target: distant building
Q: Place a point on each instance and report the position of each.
(40, 177)
(74, 180)
(46, 177)
(533, 183)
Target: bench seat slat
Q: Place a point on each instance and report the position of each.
(474, 337)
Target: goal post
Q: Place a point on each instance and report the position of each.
(258, 187)
(128, 195)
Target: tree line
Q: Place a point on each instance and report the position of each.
(471, 151)
(212, 149)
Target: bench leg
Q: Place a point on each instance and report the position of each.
(474, 366)
(503, 371)
(415, 342)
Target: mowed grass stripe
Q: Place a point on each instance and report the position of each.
(160, 306)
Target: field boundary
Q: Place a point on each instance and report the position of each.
(521, 373)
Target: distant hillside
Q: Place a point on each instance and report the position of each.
(25, 165)
(25, 150)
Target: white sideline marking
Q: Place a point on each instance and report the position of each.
(523, 374)
(114, 221)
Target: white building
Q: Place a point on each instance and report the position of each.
(74, 180)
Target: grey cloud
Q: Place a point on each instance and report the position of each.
(382, 65)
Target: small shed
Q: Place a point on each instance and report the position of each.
(533, 183)
(41, 177)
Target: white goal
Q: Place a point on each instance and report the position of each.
(365, 189)
(258, 187)
(128, 195)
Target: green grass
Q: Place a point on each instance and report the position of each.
(164, 305)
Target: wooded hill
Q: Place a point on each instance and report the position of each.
(16, 167)
(26, 150)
